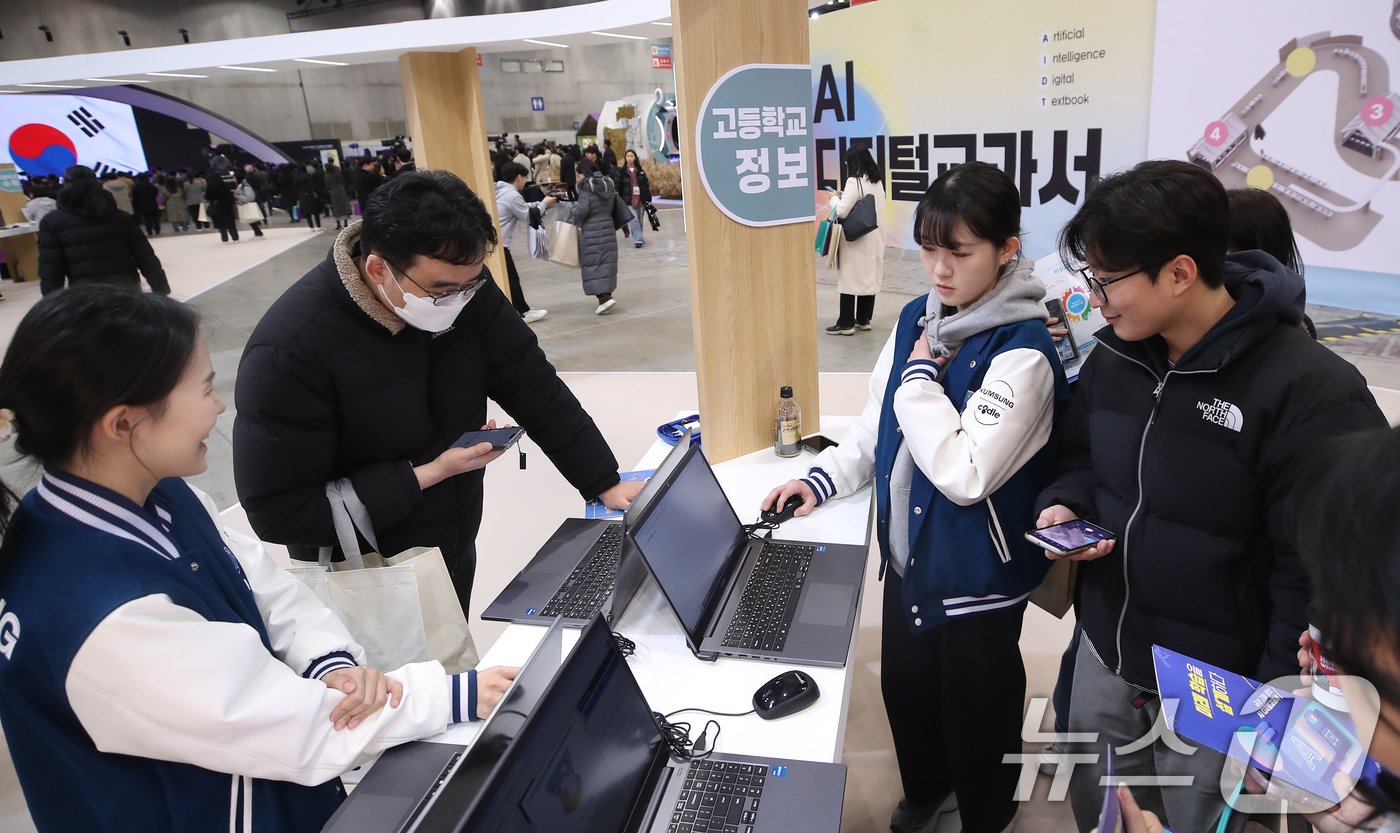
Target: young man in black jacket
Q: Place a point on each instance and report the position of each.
(1184, 437)
(376, 361)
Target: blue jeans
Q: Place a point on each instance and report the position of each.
(638, 215)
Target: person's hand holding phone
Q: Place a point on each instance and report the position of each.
(455, 461)
(1059, 514)
(780, 495)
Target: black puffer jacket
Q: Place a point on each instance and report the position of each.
(80, 245)
(333, 385)
(1194, 467)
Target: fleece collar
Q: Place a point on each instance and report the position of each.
(342, 251)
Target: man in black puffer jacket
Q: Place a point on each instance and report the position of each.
(1184, 438)
(87, 240)
(375, 362)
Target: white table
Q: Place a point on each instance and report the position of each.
(670, 675)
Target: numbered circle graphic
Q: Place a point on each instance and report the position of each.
(1260, 176)
(41, 150)
(1301, 61)
(1217, 133)
(1377, 110)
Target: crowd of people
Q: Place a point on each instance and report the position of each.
(589, 179)
(1244, 470)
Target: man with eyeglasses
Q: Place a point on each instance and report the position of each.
(1183, 438)
(376, 361)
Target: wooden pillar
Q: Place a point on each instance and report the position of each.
(752, 290)
(447, 122)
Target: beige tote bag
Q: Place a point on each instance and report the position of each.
(400, 609)
(563, 244)
(1055, 595)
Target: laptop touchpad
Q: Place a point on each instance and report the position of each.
(826, 604)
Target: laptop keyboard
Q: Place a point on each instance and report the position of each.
(588, 586)
(719, 796)
(769, 603)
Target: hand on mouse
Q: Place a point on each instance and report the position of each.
(780, 495)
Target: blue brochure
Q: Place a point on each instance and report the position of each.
(1295, 739)
(595, 508)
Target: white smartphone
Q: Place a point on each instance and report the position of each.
(1069, 537)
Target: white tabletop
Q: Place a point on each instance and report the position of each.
(19, 230)
(670, 675)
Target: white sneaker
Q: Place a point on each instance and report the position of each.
(605, 307)
(534, 315)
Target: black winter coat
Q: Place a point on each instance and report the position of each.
(623, 179)
(1194, 467)
(105, 248)
(325, 391)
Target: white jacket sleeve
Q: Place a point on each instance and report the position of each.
(306, 635)
(156, 680)
(969, 456)
(845, 468)
(851, 194)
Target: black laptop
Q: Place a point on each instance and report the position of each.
(585, 567)
(408, 778)
(737, 595)
(589, 759)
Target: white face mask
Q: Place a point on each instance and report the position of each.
(425, 314)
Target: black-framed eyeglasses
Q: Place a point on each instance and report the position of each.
(439, 298)
(1099, 286)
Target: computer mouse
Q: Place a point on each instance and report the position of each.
(777, 516)
(789, 692)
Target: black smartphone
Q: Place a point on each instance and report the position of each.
(817, 442)
(499, 438)
(1069, 537)
(1069, 351)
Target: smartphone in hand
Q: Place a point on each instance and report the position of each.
(499, 438)
(1069, 537)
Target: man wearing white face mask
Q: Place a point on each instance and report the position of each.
(372, 364)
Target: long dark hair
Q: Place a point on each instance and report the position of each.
(80, 352)
(82, 193)
(861, 163)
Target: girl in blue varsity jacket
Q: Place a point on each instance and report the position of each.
(956, 434)
(158, 673)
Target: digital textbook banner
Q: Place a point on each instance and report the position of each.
(1056, 95)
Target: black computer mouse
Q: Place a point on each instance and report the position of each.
(778, 515)
(789, 692)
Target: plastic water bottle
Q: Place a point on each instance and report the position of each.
(787, 430)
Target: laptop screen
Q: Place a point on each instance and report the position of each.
(488, 751)
(586, 755)
(687, 537)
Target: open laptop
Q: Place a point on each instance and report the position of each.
(741, 596)
(408, 778)
(585, 567)
(590, 759)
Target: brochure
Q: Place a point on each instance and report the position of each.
(595, 508)
(1299, 741)
(1082, 319)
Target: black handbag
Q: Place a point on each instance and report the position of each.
(621, 213)
(861, 221)
(651, 215)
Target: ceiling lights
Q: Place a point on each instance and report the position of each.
(546, 43)
(319, 61)
(616, 35)
(117, 80)
(176, 75)
(247, 69)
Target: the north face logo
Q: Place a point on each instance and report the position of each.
(1223, 413)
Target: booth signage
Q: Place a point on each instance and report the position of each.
(537, 104)
(754, 144)
(9, 180)
(661, 56)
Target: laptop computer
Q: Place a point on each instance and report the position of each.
(408, 778)
(590, 759)
(585, 566)
(737, 595)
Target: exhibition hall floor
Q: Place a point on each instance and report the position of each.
(632, 370)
